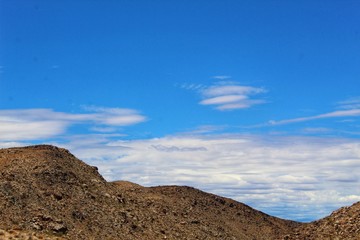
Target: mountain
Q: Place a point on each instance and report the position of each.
(47, 193)
(343, 223)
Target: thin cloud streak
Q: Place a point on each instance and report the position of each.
(223, 99)
(221, 77)
(352, 103)
(335, 114)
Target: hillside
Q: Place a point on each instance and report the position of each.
(47, 191)
(343, 223)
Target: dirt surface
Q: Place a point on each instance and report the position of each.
(14, 234)
(46, 190)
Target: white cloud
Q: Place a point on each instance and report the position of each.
(228, 89)
(103, 129)
(9, 144)
(191, 86)
(335, 114)
(163, 148)
(22, 129)
(293, 177)
(221, 77)
(223, 99)
(350, 108)
(352, 103)
(115, 116)
(30, 124)
(316, 130)
(122, 120)
(230, 96)
(350, 198)
(205, 129)
(240, 105)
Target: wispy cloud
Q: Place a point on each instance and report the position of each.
(191, 86)
(205, 129)
(223, 99)
(115, 116)
(230, 96)
(222, 77)
(12, 128)
(316, 130)
(103, 129)
(352, 103)
(27, 124)
(168, 148)
(335, 114)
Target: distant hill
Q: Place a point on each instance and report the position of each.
(47, 192)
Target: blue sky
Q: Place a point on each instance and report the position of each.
(254, 100)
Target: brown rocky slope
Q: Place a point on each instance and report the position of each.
(343, 223)
(47, 191)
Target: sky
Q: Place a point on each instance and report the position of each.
(258, 100)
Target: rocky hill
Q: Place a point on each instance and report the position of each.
(47, 193)
(343, 223)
